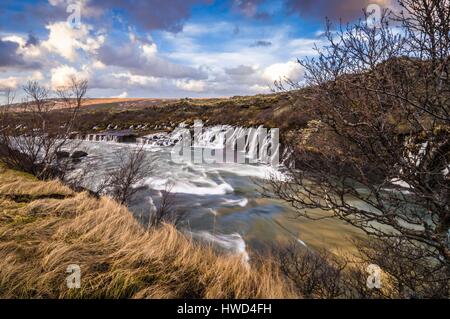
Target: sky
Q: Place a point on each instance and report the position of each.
(164, 48)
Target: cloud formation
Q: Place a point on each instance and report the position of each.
(127, 48)
(11, 57)
(65, 40)
(142, 59)
(149, 14)
(347, 10)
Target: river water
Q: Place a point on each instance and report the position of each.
(222, 203)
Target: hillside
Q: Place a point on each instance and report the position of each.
(274, 110)
(45, 227)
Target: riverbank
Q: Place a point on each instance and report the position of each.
(45, 227)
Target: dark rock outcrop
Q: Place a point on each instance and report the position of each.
(62, 154)
(79, 154)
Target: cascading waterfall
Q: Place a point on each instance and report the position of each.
(258, 144)
(222, 202)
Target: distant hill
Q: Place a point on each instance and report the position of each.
(273, 110)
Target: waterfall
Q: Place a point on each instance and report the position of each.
(241, 144)
(257, 144)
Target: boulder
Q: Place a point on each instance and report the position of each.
(62, 154)
(79, 154)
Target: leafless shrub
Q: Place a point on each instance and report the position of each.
(166, 211)
(384, 97)
(132, 167)
(32, 136)
(411, 272)
(406, 272)
(9, 96)
(313, 274)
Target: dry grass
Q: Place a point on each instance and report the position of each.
(97, 101)
(49, 227)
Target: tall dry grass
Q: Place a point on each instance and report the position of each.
(49, 227)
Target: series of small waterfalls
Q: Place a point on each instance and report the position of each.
(222, 201)
(253, 145)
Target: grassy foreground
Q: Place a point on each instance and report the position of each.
(45, 227)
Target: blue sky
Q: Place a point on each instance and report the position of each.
(163, 48)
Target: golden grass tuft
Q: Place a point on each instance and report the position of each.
(42, 235)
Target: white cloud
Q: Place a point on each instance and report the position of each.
(14, 82)
(98, 65)
(36, 76)
(120, 96)
(65, 40)
(290, 70)
(16, 39)
(191, 85)
(303, 47)
(28, 52)
(142, 58)
(11, 82)
(57, 2)
(256, 88)
(149, 50)
(61, 76)
(132, 79)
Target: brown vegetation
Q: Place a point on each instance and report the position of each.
(31, 140)
(45, 227)
(272, 110)
(383, 99)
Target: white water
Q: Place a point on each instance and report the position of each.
(222, 201)
(255, 144)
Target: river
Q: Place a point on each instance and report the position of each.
(222, 203)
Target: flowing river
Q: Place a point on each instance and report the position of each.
(222, 203)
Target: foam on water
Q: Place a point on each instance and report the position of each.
(301, 242)
(214, 196)
(186, 187)
(232, 243)
(236, 202)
